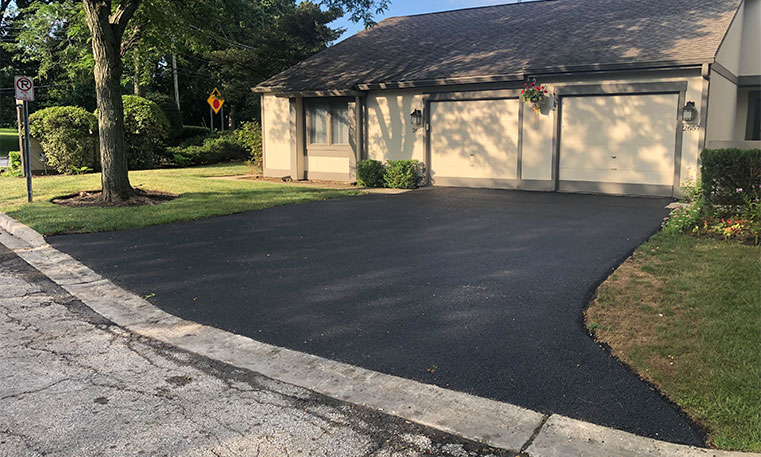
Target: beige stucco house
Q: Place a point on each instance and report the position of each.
(625, 73)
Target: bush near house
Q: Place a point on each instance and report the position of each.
(726, 204)
(147, 129)
(402, 174)
(731, 176)
(250, 134)
(396, 174)
(370, 173)
(67, 135)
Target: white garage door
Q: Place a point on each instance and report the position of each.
(474, 143)
(618, 139)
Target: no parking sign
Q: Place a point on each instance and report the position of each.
(24, 86)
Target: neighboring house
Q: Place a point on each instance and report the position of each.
(625, 72)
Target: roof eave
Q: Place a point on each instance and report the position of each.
(486, 79)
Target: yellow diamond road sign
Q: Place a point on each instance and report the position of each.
(215, 100)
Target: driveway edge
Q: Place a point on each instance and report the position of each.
(494, 423)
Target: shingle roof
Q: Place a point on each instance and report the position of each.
(516, 38)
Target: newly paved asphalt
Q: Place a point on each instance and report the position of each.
(480, 291)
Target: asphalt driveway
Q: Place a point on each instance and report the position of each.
(480, 291)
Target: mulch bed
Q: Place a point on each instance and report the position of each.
(92, 198)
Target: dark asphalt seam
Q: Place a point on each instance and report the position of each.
(591, 294)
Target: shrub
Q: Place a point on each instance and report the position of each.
(402, 174)
(193, 131)
(67, 136)
(250, 134)
(173, 115)
(14, 164)
(684, 219)
(146, 128)
(219, 148)
(370, 173)
(731, 176)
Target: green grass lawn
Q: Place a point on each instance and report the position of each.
(8, 141)
(200, 197)
(686, 314)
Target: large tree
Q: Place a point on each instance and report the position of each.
(107, 25)
(108, 22)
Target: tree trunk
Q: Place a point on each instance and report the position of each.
(231, 117)
(107, 32)
(137, 87)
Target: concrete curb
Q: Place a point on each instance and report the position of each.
(497, 424)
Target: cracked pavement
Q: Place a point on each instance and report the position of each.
(74, 384)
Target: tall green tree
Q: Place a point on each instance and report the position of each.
(107, 22)
(296, 33)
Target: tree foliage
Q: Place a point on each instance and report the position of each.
(129, 44)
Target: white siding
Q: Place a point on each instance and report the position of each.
(328, 164)
(537, 145)
(389, 133)
(729, 51)
(277, 135)
(722, 109)
(750, 56)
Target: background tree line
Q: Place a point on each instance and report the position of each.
(230, 39)
(230, 44)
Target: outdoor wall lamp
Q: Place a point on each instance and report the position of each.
(416, 118)
(690, 113)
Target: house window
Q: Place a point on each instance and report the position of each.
(328, 124)
(753, 126)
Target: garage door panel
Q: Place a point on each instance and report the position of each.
(474, 139)
(621, 139)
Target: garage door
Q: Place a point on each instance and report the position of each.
(618, 143)
(474, 143)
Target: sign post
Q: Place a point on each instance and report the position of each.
(25, 92)
(215, 102)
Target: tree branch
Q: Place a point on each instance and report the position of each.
(123, 14)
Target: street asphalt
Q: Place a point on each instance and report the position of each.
(480, 291)
(74, 384)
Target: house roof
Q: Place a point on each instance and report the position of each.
(509, 41)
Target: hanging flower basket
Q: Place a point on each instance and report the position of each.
(538, 97)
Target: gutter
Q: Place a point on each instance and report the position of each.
(526, 73)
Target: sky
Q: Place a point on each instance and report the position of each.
(407, 7)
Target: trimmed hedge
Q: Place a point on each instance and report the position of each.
(67, 136)
(402, 174)
(147, 128)
(731, 176)
(218, 148)
(370, 173)
(191, 132)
